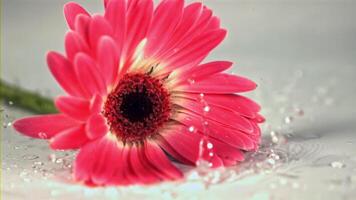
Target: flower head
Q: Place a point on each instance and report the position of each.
(137, 90)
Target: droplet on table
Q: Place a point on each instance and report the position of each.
(288, 119)
(30, 157)
(337, 164)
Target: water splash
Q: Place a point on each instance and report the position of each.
(205, 147)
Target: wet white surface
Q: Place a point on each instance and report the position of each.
(302, 55)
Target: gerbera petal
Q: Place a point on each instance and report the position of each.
(198, 49)
(88, 74)
(231, 136)
(74, 107)
(108, 59)
(226, 151)
(63, 72)
(81, 26)
(44, 126)
(84, 162)
(226, 100)
(97, 162)
(202, 71)
(116, 16)
(217, 114)
(214, 23)
(72, 138)
(219, 84)
(159, 160)
(190, 34)
(163, 24)
(149, 167)
(109, 161)
(259, 118)
(71, 10)
(98, 27)
(138, 20)
(143, 172)
(230, 102)
(106, 2)
(228, 162)
(172, 152)
(128, 174)
(186, 145)
(74, 44)
(190, 15)
(96, 104)
(96, 126)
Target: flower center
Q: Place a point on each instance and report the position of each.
(137, 107)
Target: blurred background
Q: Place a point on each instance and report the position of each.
(302, 54)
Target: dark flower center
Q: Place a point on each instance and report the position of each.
(137, 107)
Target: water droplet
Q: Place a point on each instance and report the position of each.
(299, 112)
(273, 133)
(203, 167)
(206, 108)
(42, 135)
(59, 160)
(38, 163)
(288, 119)
(209, 145)
(11, 103)
(24, 176)
(6, 124)
(191, 129)
(337, 164)
(205, 153)
(191, 81)
(30, 157)
(274, 156)
(271, 161)
(275, 139)
(52, 158)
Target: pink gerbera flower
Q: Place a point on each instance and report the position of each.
(137, 91)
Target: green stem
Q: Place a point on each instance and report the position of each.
(30, 101)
